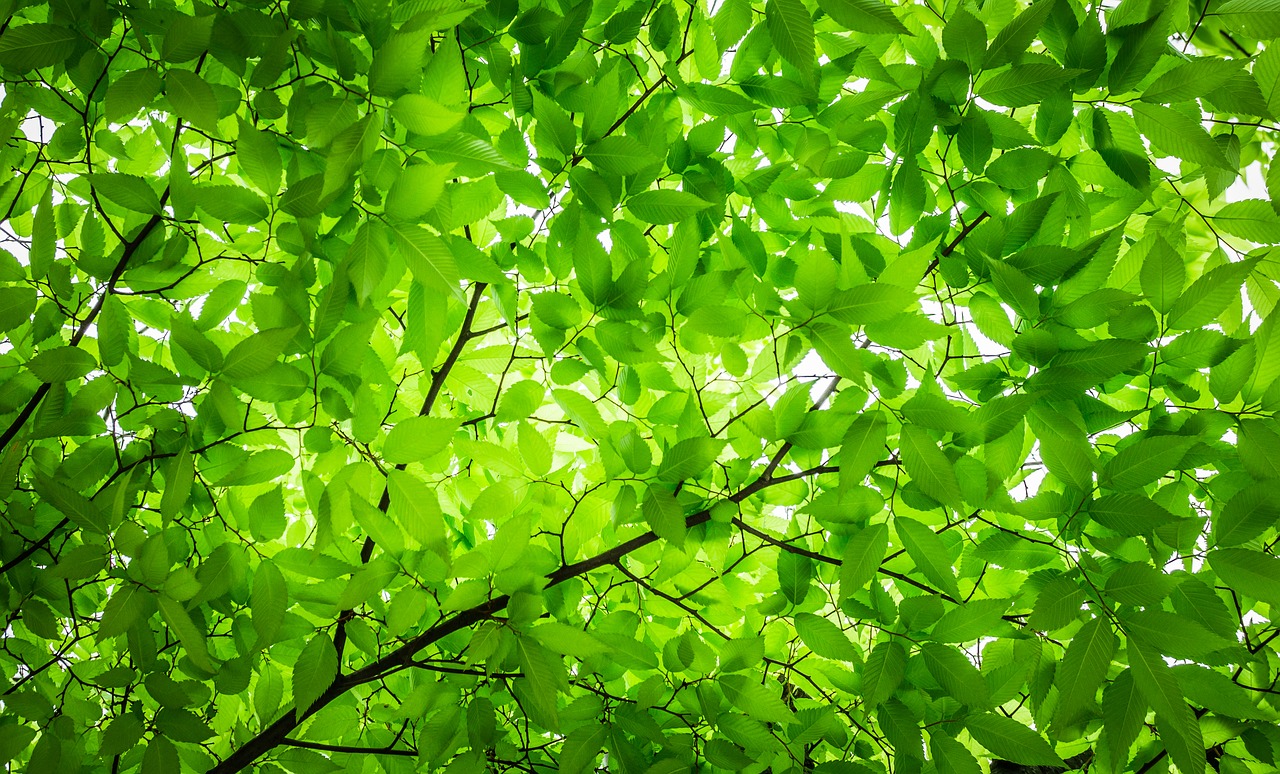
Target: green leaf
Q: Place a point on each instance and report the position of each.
(1252, 573)
(928, 467)
(268, 602)
(885, 667)
(791, 30)
(259, 157)
(1205, 299)
(689, 458)
(928, 552)
(192, 98)
(956, 674)
(192, 639)
(128, 191)
(423, 115)
(1124, 713)
(1011, 740)
(1178, 135)
(754, 699)
(862, 558)
(870, 17)
(1179, 729)
(620, 155)
(427, 256)
(232, 204)
(665, 206)
(1255, 18)
(1163, 275)
(1016, 36)
(825, 638)
(1252, 219)
(314, 671)
(969, 621)
(418, 438)
(416, 191)
(29, 47)
(795, 576)
(866, 304)
(397, 63)
(1084, 666)
(951, 757)
(1144, 461)
(255, 354)
(61, 364)
(1024, 84)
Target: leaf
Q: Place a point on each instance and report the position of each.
(255, 354)
(928, 467)
(1252, 219)
(1205, 299)
(128, 191)
(1190, 80)
(1144, 461)
(951, 757)
(795, 576)
(1178, 135)
(870, 17)
(885, 667)
(61, 364)
(423, 115)
(620, 155)
(689, 458)
(955, 673)
(1129, 514)
(928, 552)
(1124, 712)
(1163, 275)
(1016, 36)
(430, 260)
(192, 639)
(970, 621)
(712, 100)
(1011, 740)
(268, 602)
(1084, 666)
(1252, 573)
(29, 47)
(232, 204)
(1255, 18)
(866, 304)
(825, 638)
(862, 558)
(192, 98)
(665, 206)
(313, 672)
(418, 438)
(863, 445)
(1249, 513)
(1024, 84)
(757, 701)
(791, 30)
(259, 157)
(1179, 729)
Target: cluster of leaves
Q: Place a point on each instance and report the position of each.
(658, 386)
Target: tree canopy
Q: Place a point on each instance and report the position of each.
(672, 385)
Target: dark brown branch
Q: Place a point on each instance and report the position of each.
(342, 748)
(954, 243)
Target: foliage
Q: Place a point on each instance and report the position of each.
(689, 384)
